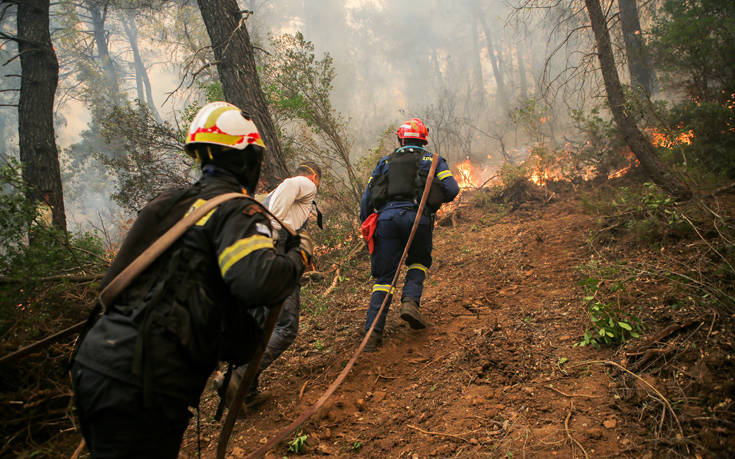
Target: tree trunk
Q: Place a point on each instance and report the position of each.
(143, 83)
(639, 145)
(99, 17)
(479, 84)
(240, 82)
(522, 77)
(497, 70)
(39, 78)
(639, 62)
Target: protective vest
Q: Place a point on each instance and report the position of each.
(178, 308)
(405, 181)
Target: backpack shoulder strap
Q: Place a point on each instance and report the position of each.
(126, 276)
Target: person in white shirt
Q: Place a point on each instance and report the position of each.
(292, 202)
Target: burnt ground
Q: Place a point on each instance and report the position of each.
(497, 372)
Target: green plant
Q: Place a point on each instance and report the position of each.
(356, 446)
(298, 443)
(610, 324)
(318, 345)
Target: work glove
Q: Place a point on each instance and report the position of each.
(306, 245)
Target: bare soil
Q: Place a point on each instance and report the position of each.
(496, 372)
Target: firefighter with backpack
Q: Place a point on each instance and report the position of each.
(146, 359)
(388, 210)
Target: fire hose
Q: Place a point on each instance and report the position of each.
(253, 366)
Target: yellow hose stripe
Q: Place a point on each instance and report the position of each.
(418, 266)
(241, 249)
(443, 174)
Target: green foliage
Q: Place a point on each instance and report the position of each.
(610, 324)
(153, 161)
(313, 302)
(16, 213)
(31, 249)
(510, 173)
(298, 443)
(602, 147)
(710, 127)
(693, 43)
(531, 117)
(643, 212)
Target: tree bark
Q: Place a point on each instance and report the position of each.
(639, 145)
(39, 78)
(639, 62)
(239, 76)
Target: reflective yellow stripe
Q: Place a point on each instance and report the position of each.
(383, 288)
(444, 174)
(370, 179)
(241, 249)
(202, 221)
(418, 266)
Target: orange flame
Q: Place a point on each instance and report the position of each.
(466, 176)
(662, 139)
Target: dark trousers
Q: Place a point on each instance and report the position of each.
(115, 424)
(284, 334)
(391, 235)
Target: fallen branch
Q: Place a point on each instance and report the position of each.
(334, 282)
(67, 277)
(440, 434)
(666, 332)
(49, 339)
(301, 392)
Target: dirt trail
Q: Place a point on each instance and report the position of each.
(495, 374)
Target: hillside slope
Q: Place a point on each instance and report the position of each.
(495, 374)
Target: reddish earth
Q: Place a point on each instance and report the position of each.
(495, 374)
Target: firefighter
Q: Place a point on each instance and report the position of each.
(393, 192)
(146, 360)
(292, 202)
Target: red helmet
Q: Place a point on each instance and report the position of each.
(413, 129)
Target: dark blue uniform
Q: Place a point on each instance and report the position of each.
(394, 226)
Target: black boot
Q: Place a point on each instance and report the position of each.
(375, 340)
(410, 313)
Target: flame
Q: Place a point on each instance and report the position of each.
(662, 139)
(466, 174)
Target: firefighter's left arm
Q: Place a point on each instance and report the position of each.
(248, 262)
(450, 187)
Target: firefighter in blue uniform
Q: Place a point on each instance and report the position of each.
(394, 191)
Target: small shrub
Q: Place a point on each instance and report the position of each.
(298, 443)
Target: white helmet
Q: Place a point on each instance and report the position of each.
(221, 123)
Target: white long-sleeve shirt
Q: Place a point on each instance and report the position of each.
(291, 201)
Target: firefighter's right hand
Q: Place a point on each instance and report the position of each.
(306, 245)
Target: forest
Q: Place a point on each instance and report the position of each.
(581, 299)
